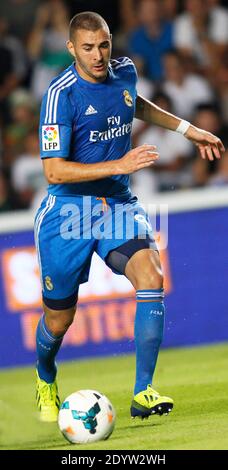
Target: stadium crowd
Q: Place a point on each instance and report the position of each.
(180, 49)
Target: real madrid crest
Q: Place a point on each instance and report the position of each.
(48, 283)
(128, 98)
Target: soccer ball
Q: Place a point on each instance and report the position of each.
(86, 416)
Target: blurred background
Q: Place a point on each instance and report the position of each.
(181, 52)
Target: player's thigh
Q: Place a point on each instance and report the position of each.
(64, 258)
(132, 245)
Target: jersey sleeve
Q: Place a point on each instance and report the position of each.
(134, 74)
(55, 130)
(134, 71)
(131, 66)
(126, 65)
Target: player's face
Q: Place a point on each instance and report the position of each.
(92, 51)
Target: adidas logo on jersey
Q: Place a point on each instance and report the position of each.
(90, 110)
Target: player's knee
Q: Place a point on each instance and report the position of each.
(59, 327)
(144, 270)
(149, 277)
(65, 324)
(156, 279)
(150, 280)
(58, 322)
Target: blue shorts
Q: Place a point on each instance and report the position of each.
(68, 230)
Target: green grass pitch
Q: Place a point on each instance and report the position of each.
(196, 378)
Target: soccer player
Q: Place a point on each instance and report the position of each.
(85, 131)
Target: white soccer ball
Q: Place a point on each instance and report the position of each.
(86, 416)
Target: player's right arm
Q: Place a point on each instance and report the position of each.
(59, 170)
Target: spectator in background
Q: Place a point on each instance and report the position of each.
(201, 33)
(6, 196)
(1, 145)
(172, 170)
(109, 9)
(220, 178)
(27, 171)
(208, 117)
(152, 38)
(145, 88)
(23, 118)
(215, 6)
(47, 45)
(185, 90)
(14, 45)
(170, 9)
(8, 77)
(220, 82)
(128, 17)
(201, 30)
(20, 16)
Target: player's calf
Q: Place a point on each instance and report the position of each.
(49, 335)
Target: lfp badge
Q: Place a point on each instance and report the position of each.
(50, 138)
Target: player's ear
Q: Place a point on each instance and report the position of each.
(70, 47)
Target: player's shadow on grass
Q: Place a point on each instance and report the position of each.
(143, 424)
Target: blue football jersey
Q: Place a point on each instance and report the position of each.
(90, 122)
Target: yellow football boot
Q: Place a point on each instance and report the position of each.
(149, 402)
(47, 399)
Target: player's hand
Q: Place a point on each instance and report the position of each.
(138, 158)
(209, 145)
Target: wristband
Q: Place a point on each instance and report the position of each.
(183, 127)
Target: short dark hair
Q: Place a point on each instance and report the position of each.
(161, 95)
(212, 107)
(173, 52)
(88, 20)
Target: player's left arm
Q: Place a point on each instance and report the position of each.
(210, 146)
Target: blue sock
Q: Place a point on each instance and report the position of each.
(47, 346)
(149, 324)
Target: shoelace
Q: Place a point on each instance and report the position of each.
(152, 393)
(47, 394)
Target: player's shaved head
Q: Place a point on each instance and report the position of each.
(90, 44)
(88, 20)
